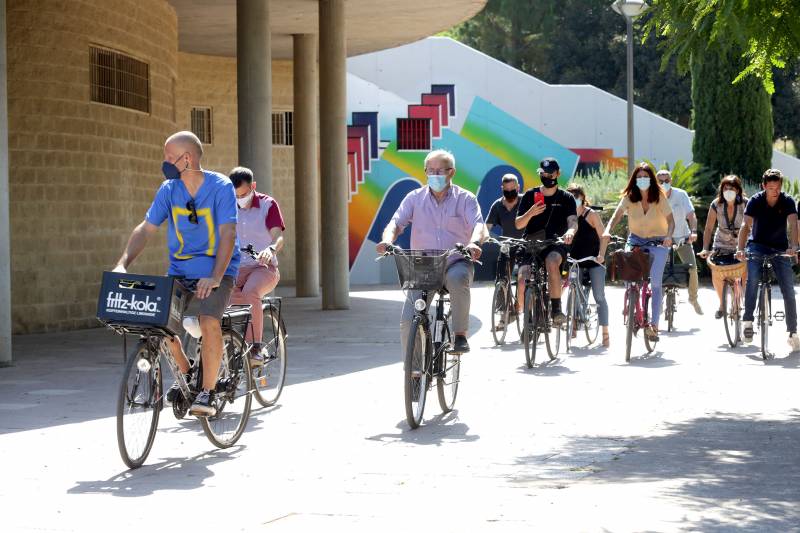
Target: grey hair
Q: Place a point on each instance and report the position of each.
(508, 178)
(664, 171)
(188, 140)
(441, 154)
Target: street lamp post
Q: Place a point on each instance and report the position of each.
(630, 9)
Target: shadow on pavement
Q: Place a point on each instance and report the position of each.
(170, 474)
(745, 465)
(437, 430)
(72, 377)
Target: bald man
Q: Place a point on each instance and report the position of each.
(200, 207)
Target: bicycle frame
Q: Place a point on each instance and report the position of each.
(643, 294)
(434, 361)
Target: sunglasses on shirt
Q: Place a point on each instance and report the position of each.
(190, 206)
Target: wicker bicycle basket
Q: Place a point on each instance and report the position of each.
(421, 269)
(732, 271)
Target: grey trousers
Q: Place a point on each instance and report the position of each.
(457, 281)
(687, 257)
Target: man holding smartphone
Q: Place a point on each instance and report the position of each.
(548, 212)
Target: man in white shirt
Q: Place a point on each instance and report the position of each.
(685, 231)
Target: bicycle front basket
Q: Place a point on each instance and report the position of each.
(421, 269)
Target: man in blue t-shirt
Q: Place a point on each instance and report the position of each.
(200, 207)
(768, 212)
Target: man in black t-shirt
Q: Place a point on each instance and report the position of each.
(768, 212)
(503, 214)
(549, 212)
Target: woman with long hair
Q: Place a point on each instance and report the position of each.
(727, 213)
(650, 227)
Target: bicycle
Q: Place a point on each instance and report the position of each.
(676, 276)
(765, 314)
(270, 377)
(536, 308)
(141, 395)
(504, 298)
(636, 308)
(429, 353)
(732, 298)
(580, 313)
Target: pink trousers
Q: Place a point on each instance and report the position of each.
(252, 284)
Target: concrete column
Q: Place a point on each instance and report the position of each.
(254, 89)
(5, 230)
(333, 154)
(306, 176)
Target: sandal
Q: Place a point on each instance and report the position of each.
(606, 341)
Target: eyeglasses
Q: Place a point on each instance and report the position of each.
(193, 208)
(662, 182)
(434, 171)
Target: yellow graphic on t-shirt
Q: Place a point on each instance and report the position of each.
(204, 214)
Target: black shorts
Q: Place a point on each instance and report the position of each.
(527, 258)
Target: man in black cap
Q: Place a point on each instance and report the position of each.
(548, 212)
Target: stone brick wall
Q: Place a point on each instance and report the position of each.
(210, 81)
(82, 174)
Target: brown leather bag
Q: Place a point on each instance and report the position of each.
(630, 266)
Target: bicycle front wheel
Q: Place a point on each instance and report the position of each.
(139, 403)
(763, 322)
(416, 372)
(269, 378)
(630, 318)
(232, 398)
(729, 309)
(671, 306)
(530, 327)
(447, 381)
(500, 307)
(552, 333)
(572, 315)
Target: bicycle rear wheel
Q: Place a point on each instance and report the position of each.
(500, 307)
(729, 309)
(269, 378)
(763, 322)
(139, 403)
(232, 398)
(530, 327)
(552, 333)
(416, 373)
(648, 343)
(447, 381)
(591, 320)
(630, 318)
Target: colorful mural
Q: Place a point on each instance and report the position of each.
(490, 143)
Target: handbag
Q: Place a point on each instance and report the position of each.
(630, 266)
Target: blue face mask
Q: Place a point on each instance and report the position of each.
(437, 182)
(666, 186)
(643, 183)
(578, 202)
(170, 171)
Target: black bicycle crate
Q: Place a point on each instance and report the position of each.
(676, 275)
(421, 269)
(137, 301)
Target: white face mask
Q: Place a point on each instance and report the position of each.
(729, 195)
(244, 203)
(643, 183)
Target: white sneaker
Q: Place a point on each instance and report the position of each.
(794, 342)
(747, 331)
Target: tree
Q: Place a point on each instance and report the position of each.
(786, 104)
(766, 32)
(732, 122)
(574, 42)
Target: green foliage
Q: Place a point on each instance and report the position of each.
(767, 32)
(603, 187)
(575, 42)
(733, 123)
(693, 178)
(786, 104)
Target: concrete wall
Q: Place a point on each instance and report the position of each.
(81, 173)
(210, 81)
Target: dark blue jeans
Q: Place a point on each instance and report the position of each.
(782, 267)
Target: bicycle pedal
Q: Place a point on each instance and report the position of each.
(780, 316)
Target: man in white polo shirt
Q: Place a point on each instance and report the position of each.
(685, 231)
(260, 223)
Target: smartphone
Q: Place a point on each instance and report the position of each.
(538, 198)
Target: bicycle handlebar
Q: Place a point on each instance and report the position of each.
(459, 248)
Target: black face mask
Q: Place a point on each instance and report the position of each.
(549, 183)
(511, 195)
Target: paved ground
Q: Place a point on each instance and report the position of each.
(694, 437)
